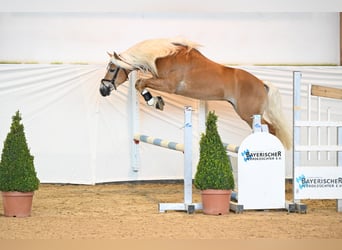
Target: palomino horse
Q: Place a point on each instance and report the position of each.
(176, 66)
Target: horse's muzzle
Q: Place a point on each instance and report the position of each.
(106, 87)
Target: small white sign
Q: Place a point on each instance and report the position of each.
(261, 172)
(318, 183)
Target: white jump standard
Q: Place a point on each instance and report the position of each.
(187, 204)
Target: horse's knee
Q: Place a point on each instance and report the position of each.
(139, 85)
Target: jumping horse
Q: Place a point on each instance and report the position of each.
(176, 66)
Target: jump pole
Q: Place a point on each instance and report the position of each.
(186, 148)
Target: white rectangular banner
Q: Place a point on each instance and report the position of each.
(318, 183)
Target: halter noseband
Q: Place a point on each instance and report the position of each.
(108, 85)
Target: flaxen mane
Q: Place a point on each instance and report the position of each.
(143, 55)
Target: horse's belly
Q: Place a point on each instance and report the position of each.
(199, 91)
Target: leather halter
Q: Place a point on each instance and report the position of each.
(106, 88)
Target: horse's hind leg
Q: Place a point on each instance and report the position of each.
(271, 128)
(249, 120)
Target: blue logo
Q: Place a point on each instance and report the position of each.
(188, 125)
(257, 125)
(246, 155)
(301, 181)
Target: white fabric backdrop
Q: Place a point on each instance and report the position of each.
(77, 136)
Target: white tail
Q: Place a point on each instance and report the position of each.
(274, 115)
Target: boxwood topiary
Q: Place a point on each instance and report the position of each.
(214, 170)
(17, 172)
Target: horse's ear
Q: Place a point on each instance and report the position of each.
(116, 56)
(109, 54)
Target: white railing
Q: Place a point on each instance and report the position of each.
(323, 136)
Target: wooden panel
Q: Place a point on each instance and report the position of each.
(329, 92)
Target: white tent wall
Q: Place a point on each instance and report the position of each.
(243, 38)
(164, 7)
(78, 136)
(52, 102)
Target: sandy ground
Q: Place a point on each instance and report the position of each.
(130, 211)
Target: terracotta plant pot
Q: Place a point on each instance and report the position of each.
(17, 204)
(216, 202)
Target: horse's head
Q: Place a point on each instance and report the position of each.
(114, 77)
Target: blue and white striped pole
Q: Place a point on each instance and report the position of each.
(186, 148)
(159, 142)
(175, 145)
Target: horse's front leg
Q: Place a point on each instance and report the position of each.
(157, 101)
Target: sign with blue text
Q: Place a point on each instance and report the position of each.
(261, 172)
(318, 183)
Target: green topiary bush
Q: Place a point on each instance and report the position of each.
(17, 172)
(214, 170)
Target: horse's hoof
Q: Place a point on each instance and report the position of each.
(159, 103)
